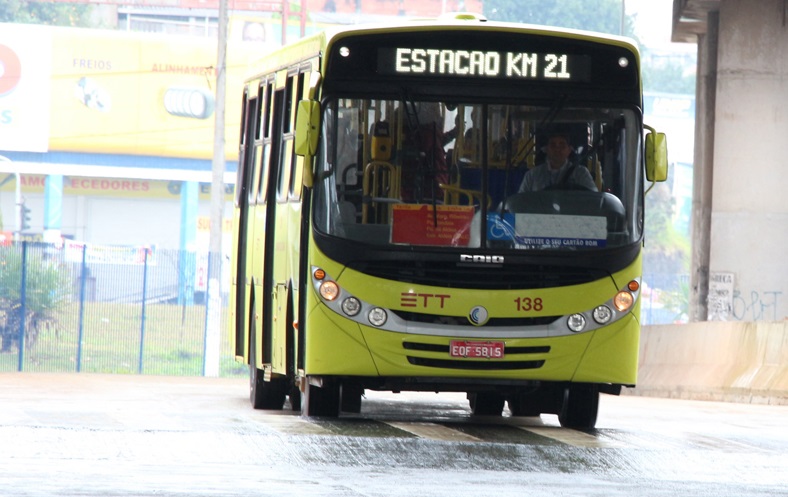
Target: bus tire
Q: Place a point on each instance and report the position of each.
(320, 401)
(486, 403)
(265, 394)
(580, 407)
(351, 398)
(295, 398)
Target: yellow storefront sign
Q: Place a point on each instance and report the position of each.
(118, 92)
(85, 186)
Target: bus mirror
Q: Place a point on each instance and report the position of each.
(307, 128)
(656, 156)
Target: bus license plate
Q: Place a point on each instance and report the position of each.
(487, 350)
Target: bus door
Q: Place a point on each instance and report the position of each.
(285, 221)
(286, 101)
(268, 234)
(244, 198)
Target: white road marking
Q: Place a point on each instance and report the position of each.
(434, 431)
(574, 437)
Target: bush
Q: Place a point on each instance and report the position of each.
(47, 287)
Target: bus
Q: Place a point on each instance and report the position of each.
(389, 234)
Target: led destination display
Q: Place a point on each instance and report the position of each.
(483, 64)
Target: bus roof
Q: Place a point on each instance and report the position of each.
(319, 43)
(475, 22)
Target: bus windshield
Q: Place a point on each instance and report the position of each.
(407, 173)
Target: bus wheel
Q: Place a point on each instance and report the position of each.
(295, 398)
(351, 398)
(486, 403)
(320, 401)
(580, 407)
(265, 394)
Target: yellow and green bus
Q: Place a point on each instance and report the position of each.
(402, 223)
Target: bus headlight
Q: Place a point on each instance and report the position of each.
(623, 301)
(603, 314)
(329, 290)
(377, 316)
(576, 322)
(351, 306)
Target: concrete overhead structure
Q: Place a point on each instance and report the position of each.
(740, 200)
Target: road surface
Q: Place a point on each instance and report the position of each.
(124, 435)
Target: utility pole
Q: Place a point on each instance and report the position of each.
(214, 294)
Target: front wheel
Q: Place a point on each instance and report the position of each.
(320, 401)
(350, 398)
(580, 407)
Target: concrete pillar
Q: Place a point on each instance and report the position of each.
(749, 218)
(703, 171)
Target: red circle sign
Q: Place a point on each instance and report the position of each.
(10, 69)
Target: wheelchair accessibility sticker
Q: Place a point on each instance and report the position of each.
(547, 230)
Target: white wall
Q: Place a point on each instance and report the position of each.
(749, 225)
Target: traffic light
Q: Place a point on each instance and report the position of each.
(25, 214)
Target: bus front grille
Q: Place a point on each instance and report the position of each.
(487, 365)
(435, 347)
(462, 321)
(453, 275)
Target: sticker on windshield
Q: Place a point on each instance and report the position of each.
(548, 230)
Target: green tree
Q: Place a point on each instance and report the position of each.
(603, 16)
(665, 249)
(669, 78)
(52, 14)
(47, 287)
(678, 301)
(666, 252)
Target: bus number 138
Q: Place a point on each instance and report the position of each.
(528, 304)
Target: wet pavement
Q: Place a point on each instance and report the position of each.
(101, 435)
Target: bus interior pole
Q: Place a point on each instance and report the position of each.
(213, 293)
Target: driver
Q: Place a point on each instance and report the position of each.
(557, 171)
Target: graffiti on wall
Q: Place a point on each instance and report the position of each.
(757, 306)
(728, 304)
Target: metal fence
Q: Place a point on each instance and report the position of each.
(109, 309)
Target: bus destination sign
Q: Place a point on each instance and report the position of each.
(483, 64)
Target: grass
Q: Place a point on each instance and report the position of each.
(172, 342)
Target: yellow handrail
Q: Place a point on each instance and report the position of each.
(381, 180)
(452, 195)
